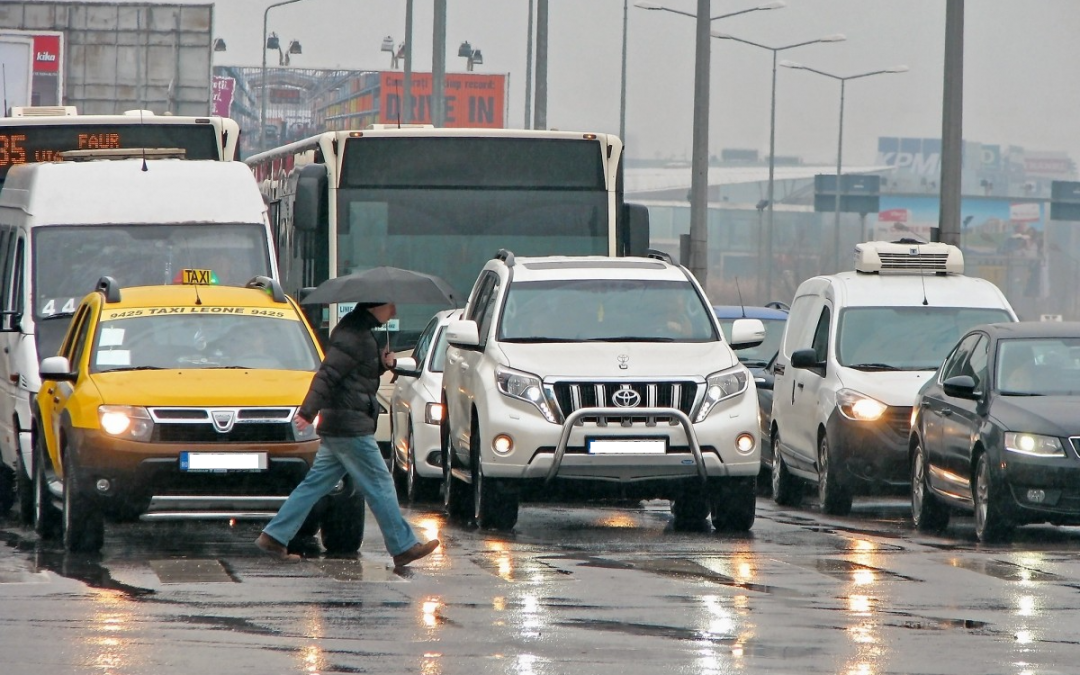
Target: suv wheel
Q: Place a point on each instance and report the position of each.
(734, 504)
(691, 507)
(495, 504)
(835, 497)
(342, 524)
(46, 516)
(927, 511)
(787, 490)
(84, 526)
(992, 523)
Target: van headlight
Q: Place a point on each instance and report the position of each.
(524, 387)
(1033, 444)
(721, 386)
(126, 421)
(859, 407)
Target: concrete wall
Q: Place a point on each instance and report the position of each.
(119, 57)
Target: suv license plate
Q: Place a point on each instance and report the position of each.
(626, 446)
(223, 461)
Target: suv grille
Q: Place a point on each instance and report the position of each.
(573, 395)
(205, 425)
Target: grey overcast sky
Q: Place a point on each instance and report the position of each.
(1019, 87)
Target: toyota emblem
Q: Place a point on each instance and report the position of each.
(626, 398)
(624, 361)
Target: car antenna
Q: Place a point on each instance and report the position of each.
(741, 305)
(142, 101)
(922, 279)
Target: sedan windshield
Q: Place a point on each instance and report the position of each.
(613, 310)
(905, 338)
(1039, 367)
(202, 341)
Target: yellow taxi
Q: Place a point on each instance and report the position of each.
(179, 402)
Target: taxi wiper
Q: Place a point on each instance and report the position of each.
(128, 368)
(873, 366)
(58, 315)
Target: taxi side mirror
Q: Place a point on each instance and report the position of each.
(58, 369)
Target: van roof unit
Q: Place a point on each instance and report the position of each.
(908, 257)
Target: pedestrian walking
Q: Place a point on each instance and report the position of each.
(342, 394)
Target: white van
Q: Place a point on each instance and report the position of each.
(856, 349)
(64, 225)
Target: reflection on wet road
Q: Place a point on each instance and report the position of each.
(573, 589)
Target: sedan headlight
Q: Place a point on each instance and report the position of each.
(309, 432)
(1033, 444)
(859, 407)
(126, 421)
(721, 386)
(524, 387)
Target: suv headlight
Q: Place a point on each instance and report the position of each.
(721, 386)
(1033, 444)
(126, 421)
(524, 387)
(859, 407)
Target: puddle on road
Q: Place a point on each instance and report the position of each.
(845, 569)
(191, 571)
(682, 568)
(345, 569)
(225, 623)
(1005, 571)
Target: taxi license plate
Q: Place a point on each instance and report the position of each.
(626, 446)
(223, 461)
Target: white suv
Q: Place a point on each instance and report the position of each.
(607, 376)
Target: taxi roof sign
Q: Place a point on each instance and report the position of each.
(194, 277)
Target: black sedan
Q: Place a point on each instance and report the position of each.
(996, 431)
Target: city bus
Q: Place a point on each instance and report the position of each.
(441, 201)
(40, 134)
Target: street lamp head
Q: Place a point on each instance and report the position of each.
(791, 64)
(722, 36)
(294, 47)
(272, 42)
(387, 44)
(897, 69)
(465, 50)
(477, 57)
(647, 5)
(777, 4)
(219, 45)
(835, 37)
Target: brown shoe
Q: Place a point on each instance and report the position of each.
(275, 549)
(415, 553)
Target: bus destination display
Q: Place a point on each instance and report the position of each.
(42, 143)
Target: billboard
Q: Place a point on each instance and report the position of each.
(988, 226)
(473, 100)
(920, 156)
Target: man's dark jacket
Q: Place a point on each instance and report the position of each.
(343, 390)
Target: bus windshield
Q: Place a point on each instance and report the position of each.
(70, 260)
(444, 206)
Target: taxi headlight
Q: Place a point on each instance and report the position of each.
(524, 387)
(309, 432)
(721, 386)
(1033, 444)
(126, 421)
(859, 407)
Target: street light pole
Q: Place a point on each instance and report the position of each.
(769, 229)
(840, 138)
(699, 161)
(622, 92)
(262, 85)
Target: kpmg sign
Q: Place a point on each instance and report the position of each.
(921, 156)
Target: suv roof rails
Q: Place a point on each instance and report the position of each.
(659, 255)
(505, 255)
(110, 288)
(271, 286)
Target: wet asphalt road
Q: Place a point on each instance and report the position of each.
(574, 589)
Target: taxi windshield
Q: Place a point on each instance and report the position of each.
(141, 339)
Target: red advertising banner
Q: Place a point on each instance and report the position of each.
(472, 100)
(47, 53)
(223, 88)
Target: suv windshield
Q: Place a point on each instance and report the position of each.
(578, 310)
(905, 338)
(202, 341)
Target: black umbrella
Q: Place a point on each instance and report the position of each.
(380, 285)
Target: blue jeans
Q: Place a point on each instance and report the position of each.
(358, 456)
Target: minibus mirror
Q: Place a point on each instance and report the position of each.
(310, 210)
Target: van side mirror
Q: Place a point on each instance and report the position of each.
(960, 386)
(747, 333)
(9, 321)
(310, 208)
(463, 333)
(57, 369)
(806, 359)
